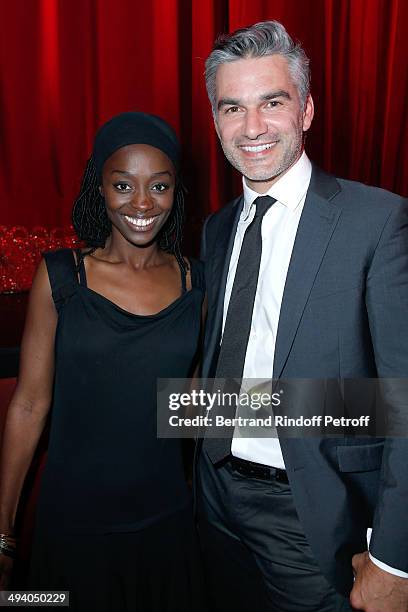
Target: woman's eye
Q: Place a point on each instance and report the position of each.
(160, 187)
(122, 187)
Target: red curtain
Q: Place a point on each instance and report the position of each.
(68, 65)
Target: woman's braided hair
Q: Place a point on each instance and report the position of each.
(93, 226)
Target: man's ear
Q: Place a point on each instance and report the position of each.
(308, 113)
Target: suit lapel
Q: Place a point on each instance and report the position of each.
(219, 265)
(316, 226)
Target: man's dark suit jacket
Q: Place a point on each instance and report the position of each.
(344, 314)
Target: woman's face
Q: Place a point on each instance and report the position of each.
(138, 183)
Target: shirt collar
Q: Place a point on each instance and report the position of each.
(289, 190)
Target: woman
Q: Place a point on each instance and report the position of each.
(114, 522)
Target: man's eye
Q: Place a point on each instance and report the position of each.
(232, 109)
(273, 103)
(122, 187)
(160, 187)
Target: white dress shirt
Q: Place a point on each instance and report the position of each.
(279, 227)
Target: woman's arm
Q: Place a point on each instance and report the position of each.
(31, 400)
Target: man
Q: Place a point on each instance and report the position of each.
(308, 282)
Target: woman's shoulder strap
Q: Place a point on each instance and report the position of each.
(62, 272)
(197, 273)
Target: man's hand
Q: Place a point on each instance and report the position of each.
(375, 590)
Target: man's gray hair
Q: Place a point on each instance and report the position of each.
(259, 40)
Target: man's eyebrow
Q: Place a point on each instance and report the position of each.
(125, 173)
(280, 93)
(227, 101)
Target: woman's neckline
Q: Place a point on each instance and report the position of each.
(164, 310)
(83, 283)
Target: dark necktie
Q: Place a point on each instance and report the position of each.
(238, 321)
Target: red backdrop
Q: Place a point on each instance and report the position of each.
(68, 65)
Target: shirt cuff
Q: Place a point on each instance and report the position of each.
(387, 568)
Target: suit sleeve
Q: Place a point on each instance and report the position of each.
(203, 247)
(387, 307)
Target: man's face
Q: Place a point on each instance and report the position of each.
(259, 118)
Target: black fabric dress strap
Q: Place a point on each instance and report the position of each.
(62, 272)
(81, 268)
(197, 273)
(183, 279)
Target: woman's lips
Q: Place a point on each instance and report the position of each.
(140, 224)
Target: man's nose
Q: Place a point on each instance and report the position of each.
(255, 124)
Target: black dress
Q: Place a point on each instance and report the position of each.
(114, 524)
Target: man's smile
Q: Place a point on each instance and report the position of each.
(256, 148)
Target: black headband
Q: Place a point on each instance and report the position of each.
(134, 128)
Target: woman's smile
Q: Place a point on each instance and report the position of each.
(141, 224)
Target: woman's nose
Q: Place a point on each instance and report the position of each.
(142, 201)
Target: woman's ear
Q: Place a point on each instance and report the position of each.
(101, 190)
